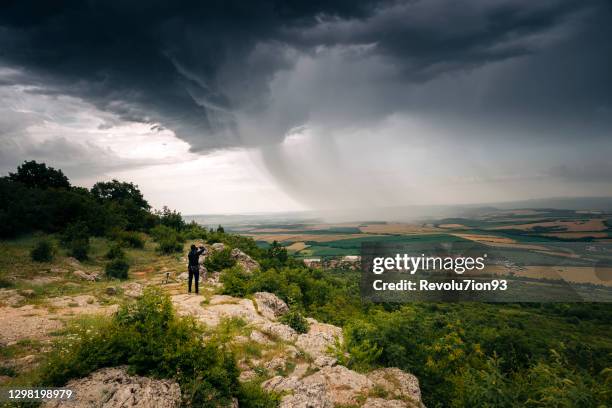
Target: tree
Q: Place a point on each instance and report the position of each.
(171, 218)
(38, 175)
(121, 192)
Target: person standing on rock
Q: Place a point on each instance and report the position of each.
(194, 266)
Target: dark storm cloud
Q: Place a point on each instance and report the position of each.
(194, 66)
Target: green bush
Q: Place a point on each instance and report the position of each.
(296, 321)
(149, 338)
(76, 231)
(43, 251)
(168, 239)
(117, 268)
(169, 245)
(219, 260)
(115, 252)
(235, 281)
(79, 249)
(131, 239)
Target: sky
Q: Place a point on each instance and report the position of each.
(268, 106)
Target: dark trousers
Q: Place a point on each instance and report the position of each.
(194, 273)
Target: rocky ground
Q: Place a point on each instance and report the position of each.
(302, 367)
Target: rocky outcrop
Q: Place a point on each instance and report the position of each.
(10, 297)
(333, 386)
(133, 290)
(319, 339)
(397, 383)
(311, 377)
(85, 276)
(270, 305)
(114, 388)
(246, 262)
(217, 246)
(343, 386)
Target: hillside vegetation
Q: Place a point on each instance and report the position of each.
(464, 355)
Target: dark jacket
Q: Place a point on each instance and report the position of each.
(194, 256)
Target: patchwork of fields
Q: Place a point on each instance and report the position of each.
(542, 237)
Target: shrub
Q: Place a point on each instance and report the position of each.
(115, 252)
(80, 249)
(296, 321)
(130, 239)
(117, 268)
(169, 245)
(77, 231)
(235, 282)
(149, 338)
(168, 240)
(43, 251)
(219, 260)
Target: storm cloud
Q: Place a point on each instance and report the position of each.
(508, 79)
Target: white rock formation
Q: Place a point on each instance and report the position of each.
(114, 388)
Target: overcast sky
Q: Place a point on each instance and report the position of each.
(254, 106)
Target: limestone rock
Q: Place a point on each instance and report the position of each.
(218, 246)
(10, 297)
(397, 383)
(279, 330)
(218, 307)
(73, 262)
(114, 388)
(259, 337)
(319, 339)
(308, 396)
(85, 276)
(270, 305)
(276, 364)
(383, 403)
(27, 293)
(133, 290)
(343, 386)
(325, 361)
(280, 384)
(246, 262)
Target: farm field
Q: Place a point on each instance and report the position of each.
(548, 244)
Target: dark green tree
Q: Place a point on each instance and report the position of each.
(38, 175)
(120, 192)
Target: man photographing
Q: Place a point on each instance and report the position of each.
(194, 265)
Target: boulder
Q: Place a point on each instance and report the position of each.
(114, 388)
(270, 305)
(281, 384)
(319, 339)
(308, 396)
(397, 383)
(246, 262)
(27, 293)
(217, 246)
(73, 262)
(85, 276)
(276, 364)
(111, 290)
(133, 290)
(279, 330)
(325, 361)
(343, 386)
(259, 337)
